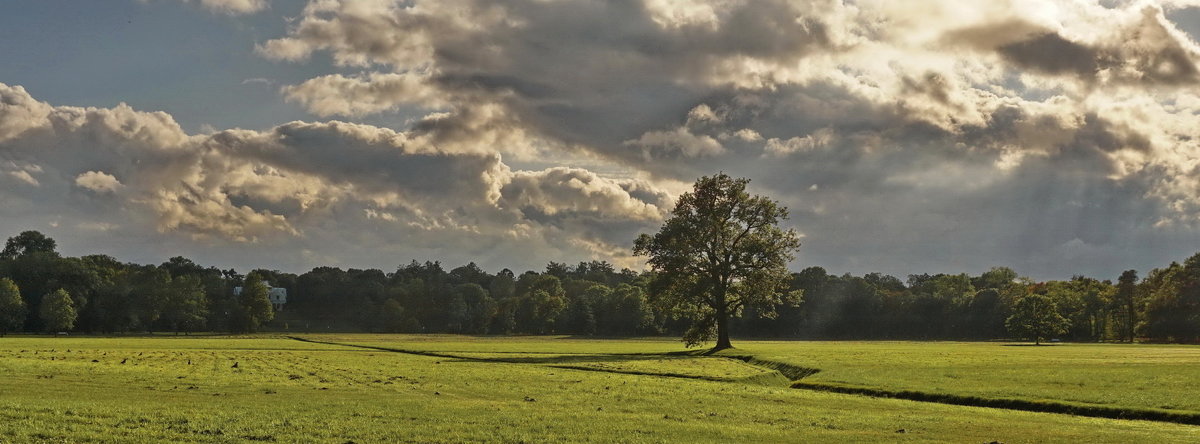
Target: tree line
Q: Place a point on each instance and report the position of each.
(42, 291)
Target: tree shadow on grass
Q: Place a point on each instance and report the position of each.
(581, 361)
(1029, 345)
(575, 358)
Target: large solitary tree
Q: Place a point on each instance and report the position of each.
(1036, 316)
(721, 250)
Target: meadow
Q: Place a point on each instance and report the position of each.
(1118, 375)
(433, 388)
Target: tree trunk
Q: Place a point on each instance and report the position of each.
(722, 328)
(1132, 318)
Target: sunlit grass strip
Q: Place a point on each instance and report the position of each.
(1030, 405)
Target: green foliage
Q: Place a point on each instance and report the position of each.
(626, 312)
(505, 321)
(27, 242)
(719, 251)
(592, 297)
(538, 311)
(150, 292)
(1036, 316)
(1173, 302)
(478, 308)
(253, 306)
(503, 285)
(1125, 304)
(580, 316)
(57, 311)
(185, 307)
(12, 307)
(394, 319)
(39, 273)
(997, 277)
(540, 302)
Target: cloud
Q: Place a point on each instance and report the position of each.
(98, 181)
(561, 191)
(1144, 48)
(678, 142)
(356, 96)
(24, 176)
(334, 187)
(258, 80)
(817, 139)
(904, 137)
(232, 7)
(19, 112)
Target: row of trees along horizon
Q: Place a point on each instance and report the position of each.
(718, 263)
(41, 291)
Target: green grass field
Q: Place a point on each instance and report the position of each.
(539, 389)
(1119, 375)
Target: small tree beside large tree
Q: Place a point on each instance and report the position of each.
(720, 250)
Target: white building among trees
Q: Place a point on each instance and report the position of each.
(277, 295)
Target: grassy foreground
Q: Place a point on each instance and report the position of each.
(496, 390)
(1118, 375)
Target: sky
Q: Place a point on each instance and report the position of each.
(1053, 137)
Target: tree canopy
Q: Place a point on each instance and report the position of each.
(1036, 316)
(719, 251)
(58, 311)
(28, 242)
(12, 307)
(110, 296)
(253, 305)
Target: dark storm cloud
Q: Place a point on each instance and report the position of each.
(577, 70)
(1143, 51)
(1051, 53)
(816, 101)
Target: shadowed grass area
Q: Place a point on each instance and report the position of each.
(679, 364)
